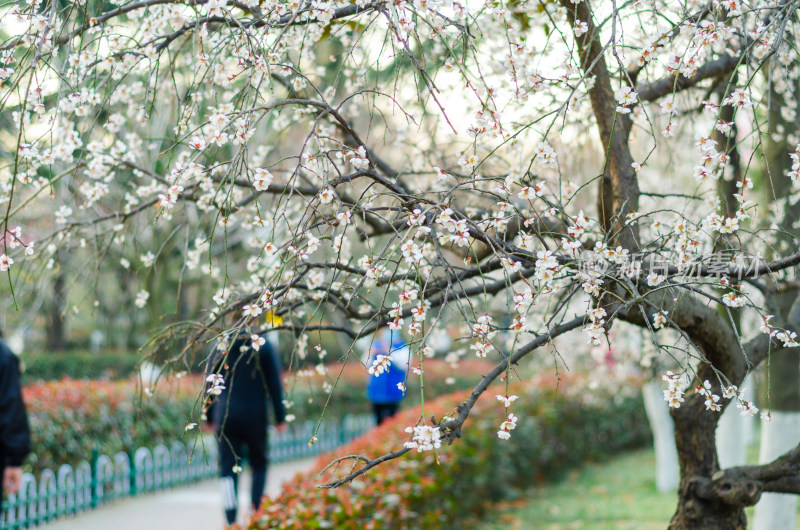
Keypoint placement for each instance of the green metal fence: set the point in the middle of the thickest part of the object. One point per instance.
(71, 491)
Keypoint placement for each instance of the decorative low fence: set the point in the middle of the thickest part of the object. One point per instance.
(71, 491)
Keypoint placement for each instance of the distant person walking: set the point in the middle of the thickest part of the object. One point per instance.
(15, 437)
(242, 381)
(387, 361)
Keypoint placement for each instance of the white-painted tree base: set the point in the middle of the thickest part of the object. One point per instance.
(731, 446)
(149, 373)
(663, 428)
(749, 421)
(777, 511)
(735, 432)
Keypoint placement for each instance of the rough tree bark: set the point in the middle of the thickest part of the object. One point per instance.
(56, 331)
(618, 193)
(708, 497)
(702, 503)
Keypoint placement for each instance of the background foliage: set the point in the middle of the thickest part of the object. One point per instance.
(80, 364)
(71, 418)
(556, 430)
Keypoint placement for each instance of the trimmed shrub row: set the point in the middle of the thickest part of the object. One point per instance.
(555, 431)
(79, 364)
(70, 419)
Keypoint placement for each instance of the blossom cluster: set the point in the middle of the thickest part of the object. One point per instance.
(424, 438)
(787, 337)
(677, 384)
(380, 365)
(676, 388)
(510, 423)
(216, 384)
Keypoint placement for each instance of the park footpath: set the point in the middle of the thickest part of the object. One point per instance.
(194, 507)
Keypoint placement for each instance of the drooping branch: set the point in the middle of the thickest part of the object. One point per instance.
(286, 20)
(451, 429)
(368, 464)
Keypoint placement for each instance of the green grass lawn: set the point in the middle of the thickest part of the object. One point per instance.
(616, 494)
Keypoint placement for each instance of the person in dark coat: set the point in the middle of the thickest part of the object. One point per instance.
(15, 436)
(242, 381)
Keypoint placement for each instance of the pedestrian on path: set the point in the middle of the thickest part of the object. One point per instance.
(242, 378)
(15, 437)
(387, 360)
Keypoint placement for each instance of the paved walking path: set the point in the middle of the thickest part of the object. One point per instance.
(194, 507)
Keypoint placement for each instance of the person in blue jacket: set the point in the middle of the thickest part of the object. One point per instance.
(388, 363)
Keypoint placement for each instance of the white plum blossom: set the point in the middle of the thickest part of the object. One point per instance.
(712, 403)
(424, 438)
(326, 196)
(216, 7)
(625, 97)
(468, 162)
(481, 348)
(676, 387)
(62, 214)
(787, 338)
(667, 105)
(216, 384)
(257, 341)
(508, 425)
(262, 179)
(747, 408)
(251, 310)
(580, 29)
(380, 365)
(730, 391)
(507, 400)
(545, 155)
(739, 99)
(141, 297)
(734, 300)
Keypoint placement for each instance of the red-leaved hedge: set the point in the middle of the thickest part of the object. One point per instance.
(71, 418)
(435, 490)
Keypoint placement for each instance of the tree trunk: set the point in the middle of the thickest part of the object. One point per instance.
(702, 501)
(56, 332)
